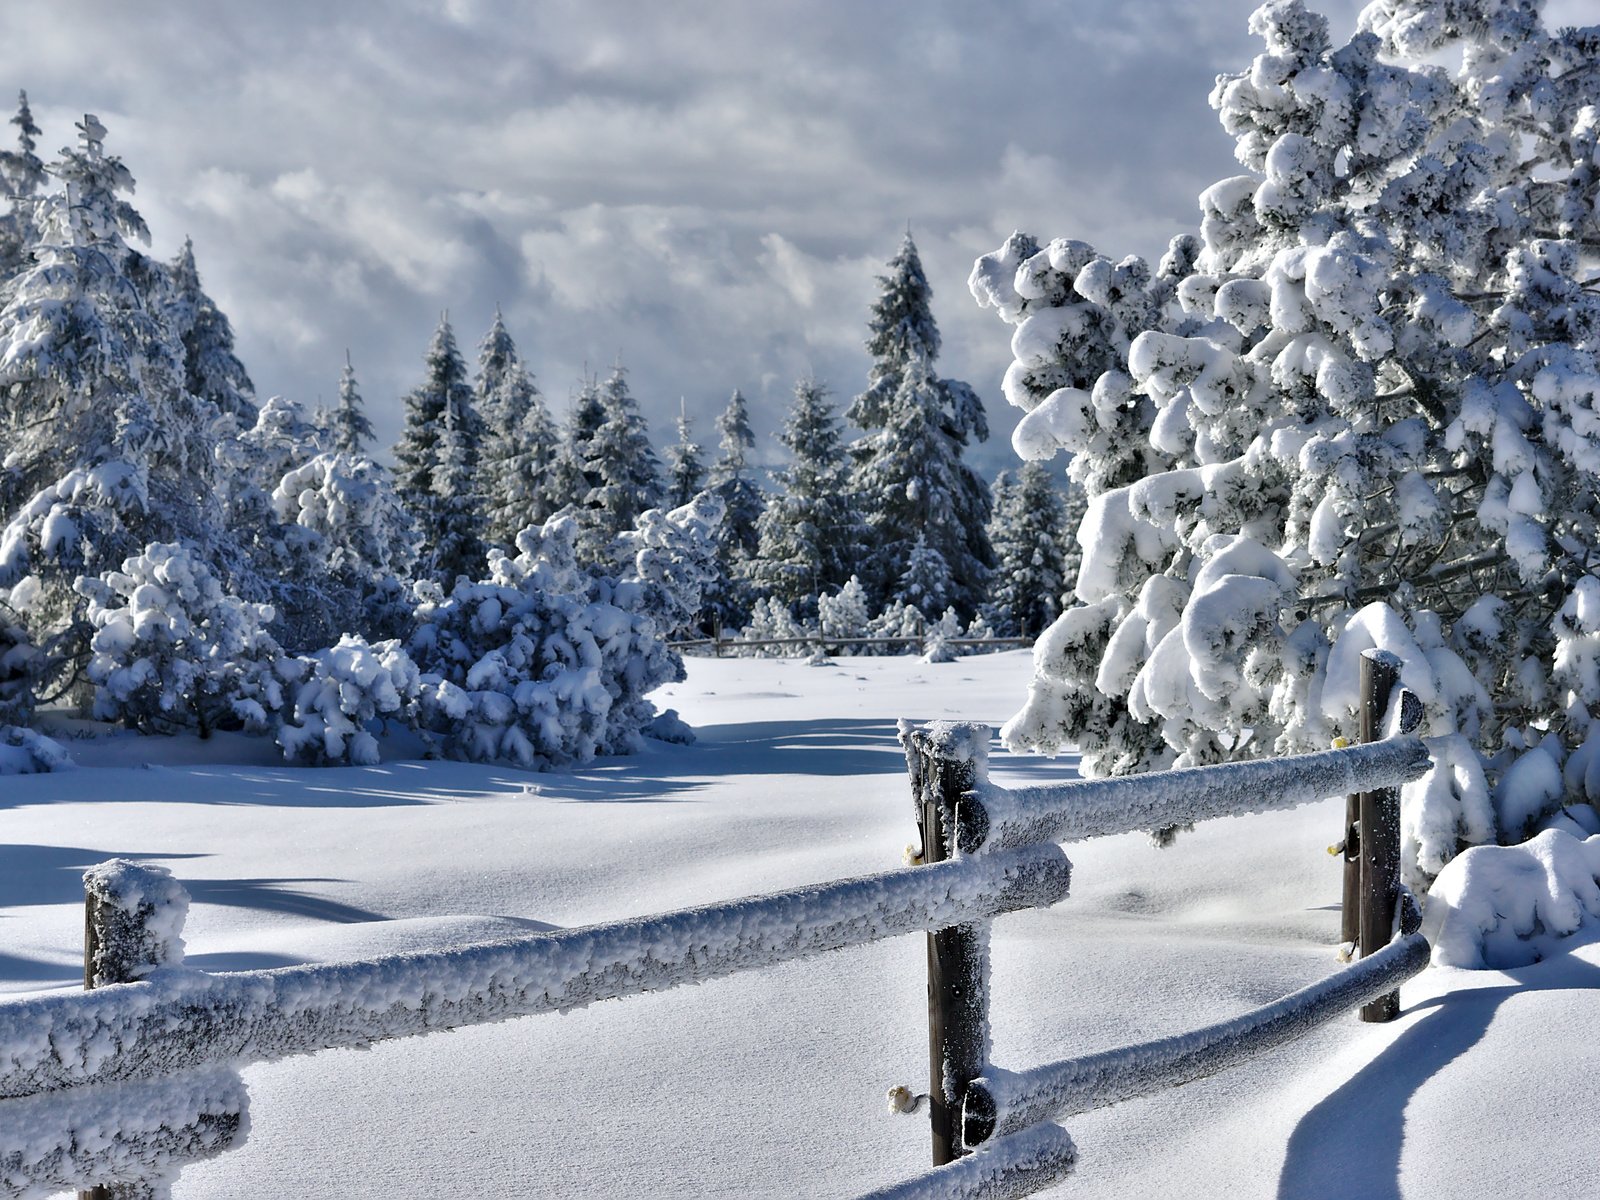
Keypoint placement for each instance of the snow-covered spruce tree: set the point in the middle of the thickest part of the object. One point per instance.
(811, 536)
(771, 618)
(341, 692)
(1074, 507)
(624, 466)
(455, 544)
(211, 370)
(173, 651)
(908, 476)
(673, 557)
(926, 584)
(1371, 422)
(570, 478)
(686, 472)
(739, 538)
(19, 667)
(1027, 531)
(443, 398)
(845, 612)
(352, 432)
(520, 441)
(22, 174)
(541, 664)
(105, 449)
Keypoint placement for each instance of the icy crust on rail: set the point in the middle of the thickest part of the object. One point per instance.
(120, 1133)
(1509, 906)
(179, 1019)
(998, 817)
(1018, 1165)
(1004, 1101)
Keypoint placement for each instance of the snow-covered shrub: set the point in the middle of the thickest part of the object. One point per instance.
(770, 619)
(540, 664)
(19, 667)
(1358, 408)
(24, 752)
(341, 692)
(844, 614)
(172, 650)
(669, 727)
(936, 647)
(673, 555)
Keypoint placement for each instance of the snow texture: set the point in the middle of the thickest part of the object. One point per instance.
(24, 752)
(1000, 817)
(182, 1019)
(1017, 1100)
(122, 1133)
(138, 913)
(1018, 1165)
(1508, 906)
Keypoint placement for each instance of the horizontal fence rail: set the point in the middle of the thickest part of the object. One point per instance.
(178, 1019)
(825, 640)
(123, 1133)
(1007, 1167)
(998, 818)
(1003, 1102)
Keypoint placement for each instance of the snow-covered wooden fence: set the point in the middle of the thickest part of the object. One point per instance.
(122, 1084)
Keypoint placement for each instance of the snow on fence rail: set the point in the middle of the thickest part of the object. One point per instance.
(128, 1081)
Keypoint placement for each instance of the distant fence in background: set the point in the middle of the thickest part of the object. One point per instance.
(119, 1086)
(822, 642)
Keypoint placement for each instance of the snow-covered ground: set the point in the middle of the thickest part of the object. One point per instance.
(771, 1084)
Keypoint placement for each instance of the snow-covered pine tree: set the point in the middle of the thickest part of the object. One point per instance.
(211, 370)
(926, 583)
(520, 444)
(908, 476)
(1372, 423)
(1028, 531)
(738, 538)
(455, 547)
(352, 432)
(22, 173)
(625, 468)
(686, 473)
(105, 449)
(570, 480)
(811, 536)
(443, 398)
(1074, 507)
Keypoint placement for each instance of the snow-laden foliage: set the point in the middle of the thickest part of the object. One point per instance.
(351, 430)
(770, 618)
(845, 613)
(624, 468)
(811, 535)
(211, 370)
(519, 440)
(1028, 530)
(341, 693)
(1356, 410)
(729, 600)
(172, 650)
(22, 173)
(673, 555)
(541, 664)
(686, 469)
(350, 502)
(908, 475)
(19, 668)
(24, 752)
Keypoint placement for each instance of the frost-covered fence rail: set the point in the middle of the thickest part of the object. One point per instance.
(1004, 1143)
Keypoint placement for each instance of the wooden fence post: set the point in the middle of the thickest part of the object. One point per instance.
(132, 923)
(1380, 830)
(944, 761)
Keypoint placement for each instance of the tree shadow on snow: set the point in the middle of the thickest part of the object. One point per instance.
(1349, 1143)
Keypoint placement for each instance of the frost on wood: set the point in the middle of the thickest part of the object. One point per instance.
(1004, 1101)
(123, 1133)
(1508, 906)
(1018, 1165)
(1004, 817)
(180, 1019)
(138, 913)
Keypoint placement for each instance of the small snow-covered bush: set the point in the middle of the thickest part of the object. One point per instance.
(844, 614)
(770, 618)
(936, 648)
(342, 691)
(24, 752)
(673, 556)
(172, 650)
(541, 664)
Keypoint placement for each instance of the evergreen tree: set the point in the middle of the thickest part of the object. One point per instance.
(456, 546)
(686, 474)
(738, 538)
(570, 478)
(925, 584)
(22, 174)
(624, 466)
(520, 444)
(1027, 531)
(811, 536)
(908, 474)
(442, 402)
(1369, 421)
(211, 370)
(351, 429)
(106, 450)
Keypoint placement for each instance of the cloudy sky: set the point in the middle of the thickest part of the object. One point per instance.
(705, 189)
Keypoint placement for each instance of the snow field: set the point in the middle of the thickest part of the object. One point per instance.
(770, 1084)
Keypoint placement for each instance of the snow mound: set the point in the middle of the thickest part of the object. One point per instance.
(24, 752)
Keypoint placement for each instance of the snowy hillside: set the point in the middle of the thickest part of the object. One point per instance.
(771, 1084)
